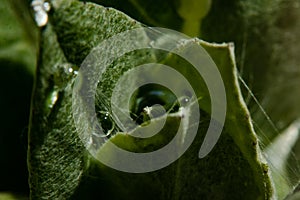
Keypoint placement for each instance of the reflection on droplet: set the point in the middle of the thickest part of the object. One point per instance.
(40, 8)
(46, 6)
(184, 101)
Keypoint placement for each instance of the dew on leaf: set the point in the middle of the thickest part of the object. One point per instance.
(41, 8)
(52, 99)
(63, 73)
(71, 69)
(143, 100)
(41, 18)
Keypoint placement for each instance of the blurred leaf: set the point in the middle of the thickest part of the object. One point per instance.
(266, 35)
(15, 42)
(277, 154)
(181, 15)
(8, 196)
(153, 13)
(295, 195)
(17, 65)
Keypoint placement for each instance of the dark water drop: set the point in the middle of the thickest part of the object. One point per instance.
(149, 95)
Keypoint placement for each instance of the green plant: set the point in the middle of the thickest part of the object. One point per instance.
(61, 167)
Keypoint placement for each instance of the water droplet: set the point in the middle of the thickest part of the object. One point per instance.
(143, 100)
(71, 69)
(106, 123)
(41, 18)
(40, 8)
(52, 99)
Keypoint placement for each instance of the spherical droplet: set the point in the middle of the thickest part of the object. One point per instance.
(40, 8)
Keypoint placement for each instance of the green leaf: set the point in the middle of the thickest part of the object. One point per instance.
(265, 34)
(266, 38)
(153, 13)
(57, 158)
(294, 195)
(61, 167)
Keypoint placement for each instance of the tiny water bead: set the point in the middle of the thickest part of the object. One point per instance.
(71, 70)
(63, 73)
(41, 9)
